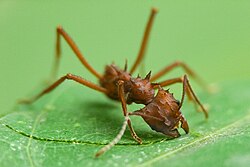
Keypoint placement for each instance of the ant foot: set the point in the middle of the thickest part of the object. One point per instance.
(139, 140)
(24, 101)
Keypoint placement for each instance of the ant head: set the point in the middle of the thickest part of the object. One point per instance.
(165, 98)
(163, 114)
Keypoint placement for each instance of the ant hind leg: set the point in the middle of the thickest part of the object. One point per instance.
(61, 32)
(61, 80)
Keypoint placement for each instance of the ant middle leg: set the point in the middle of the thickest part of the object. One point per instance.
(185, 67)
(186, 89)
(126, 122)
(124, 108)
(61, 80)
(61, 32)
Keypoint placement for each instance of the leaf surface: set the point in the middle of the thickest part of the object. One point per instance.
(68, 126)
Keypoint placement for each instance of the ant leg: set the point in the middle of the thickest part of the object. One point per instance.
(167, 82)
(171, 82)
(186, 89)
(115, 140)
(185, 67)
(191, 93)
(61, 80)
(124, 108)
(144, 40)
(60, 32)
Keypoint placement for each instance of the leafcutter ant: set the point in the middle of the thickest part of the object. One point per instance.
(161, 112)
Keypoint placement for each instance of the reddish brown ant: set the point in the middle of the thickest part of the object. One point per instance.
(161, 112)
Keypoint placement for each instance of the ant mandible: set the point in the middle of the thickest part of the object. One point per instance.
(161, 112)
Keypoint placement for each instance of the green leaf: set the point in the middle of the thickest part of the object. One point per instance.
(68, 126)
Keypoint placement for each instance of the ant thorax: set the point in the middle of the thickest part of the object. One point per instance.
(137, 90)
(141, 91)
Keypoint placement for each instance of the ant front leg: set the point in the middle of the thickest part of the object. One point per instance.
(115, 140)
(185, 67)
(61, 80)
(186, 88)
(61, 32)
(124, 108)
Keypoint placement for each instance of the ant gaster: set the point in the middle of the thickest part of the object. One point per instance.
(161, 112)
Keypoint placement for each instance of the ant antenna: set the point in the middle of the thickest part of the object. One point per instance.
(115, 140)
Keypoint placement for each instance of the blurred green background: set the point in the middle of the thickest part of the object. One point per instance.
(213, 37)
